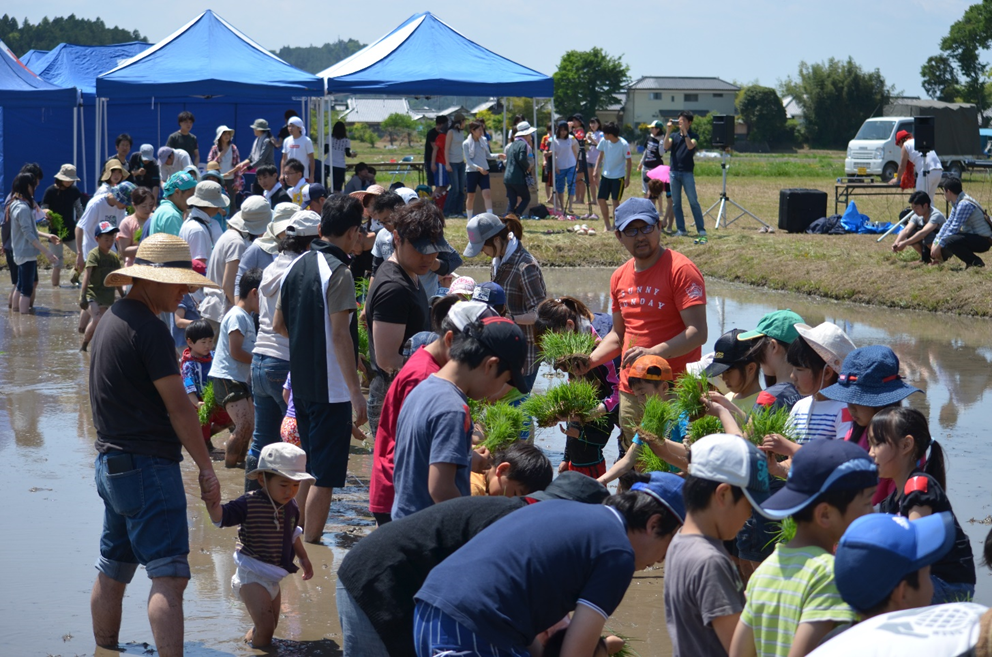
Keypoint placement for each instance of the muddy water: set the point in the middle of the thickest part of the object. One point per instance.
(53, 514)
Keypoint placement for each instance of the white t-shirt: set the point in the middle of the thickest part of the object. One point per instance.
(383, 247)
(811, 419)
(592, 153)
(615, 156)
(338, 148)
(97, 210)
(564, 156)
(224, 365)
(916, 157)
(299, 148)
(198, 235)
(229, 248)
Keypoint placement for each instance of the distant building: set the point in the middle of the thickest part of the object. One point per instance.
(429, 114)
(792, 108)
(373, 111)
(651, 98)
(614, 112)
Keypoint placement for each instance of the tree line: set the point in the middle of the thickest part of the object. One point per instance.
(48, 33)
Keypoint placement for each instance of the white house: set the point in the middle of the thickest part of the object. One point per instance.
(655, 97)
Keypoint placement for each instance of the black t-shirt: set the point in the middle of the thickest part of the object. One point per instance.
(653, 153)
(429, 144)
(396, 299)
(681, 153)
(283, 133)
(958, 565)
(152, 177)
(132, 348)
(387, 567)
(186, 142)
(63, 201)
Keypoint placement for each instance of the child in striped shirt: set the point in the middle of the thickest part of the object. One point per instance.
(269, 537)
(792, 598)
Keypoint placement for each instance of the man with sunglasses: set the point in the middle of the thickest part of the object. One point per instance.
(658, 303)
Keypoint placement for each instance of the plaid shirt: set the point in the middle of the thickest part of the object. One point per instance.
(966, 217)
(214, 156)
(521, 278)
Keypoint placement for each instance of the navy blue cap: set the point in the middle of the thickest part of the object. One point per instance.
(878, 550)
(505, 340)
(633, 209)
(491, 293)
(667, 489)
(870, 377)
(728, 351)
(822, 465)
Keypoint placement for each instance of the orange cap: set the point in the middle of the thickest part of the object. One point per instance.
(651, 368)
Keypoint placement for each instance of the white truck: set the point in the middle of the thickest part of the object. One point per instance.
(873, 151)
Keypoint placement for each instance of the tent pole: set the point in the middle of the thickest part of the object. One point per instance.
(82, 138)
(106, 129)
(504, 124)
(75, 135)
(551, 143)
(96, 143)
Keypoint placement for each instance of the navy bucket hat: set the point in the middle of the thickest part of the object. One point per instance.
(870, 377)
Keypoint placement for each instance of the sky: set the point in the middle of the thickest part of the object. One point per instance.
(755, 41)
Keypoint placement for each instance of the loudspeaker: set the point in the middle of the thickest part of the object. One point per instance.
(723, 131)
(798, 208)
(923, 133)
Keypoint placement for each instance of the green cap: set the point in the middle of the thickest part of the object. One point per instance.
(780, 325)
(656, 124)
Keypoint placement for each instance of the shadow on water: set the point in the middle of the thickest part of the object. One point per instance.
(46, 439)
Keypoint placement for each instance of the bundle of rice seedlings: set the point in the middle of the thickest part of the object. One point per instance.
(689, 388)
(137, 235)
(502, 425)
(648, 461)
(363, 339)
(209, 404)
(626, 650)
(562, 349)
(658, 419)
(361, 288)
(786, 532)
(765, 420)
(578, 398)
(57, 224)
(704, 426)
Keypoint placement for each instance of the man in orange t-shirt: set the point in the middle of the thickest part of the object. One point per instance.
(658, 299)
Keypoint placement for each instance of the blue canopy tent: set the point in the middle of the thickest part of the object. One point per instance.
(35, 120)
(208, 67)
(32, 57)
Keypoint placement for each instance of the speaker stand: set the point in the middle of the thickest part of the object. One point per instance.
(721, 215)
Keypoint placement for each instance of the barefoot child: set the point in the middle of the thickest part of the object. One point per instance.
(194, 367)
(97, 297)
(899, 438)
(231, 369)
(268, 538)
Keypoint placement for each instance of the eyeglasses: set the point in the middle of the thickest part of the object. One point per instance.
(643, 230)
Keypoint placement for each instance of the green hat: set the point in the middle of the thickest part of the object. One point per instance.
(779, 325)
(656, 124)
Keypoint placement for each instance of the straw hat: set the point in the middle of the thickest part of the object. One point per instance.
(375, 190)
(113, 163)
(161, 258)
(254, 216)
(67, 173)
(828, 341)
(208, 194)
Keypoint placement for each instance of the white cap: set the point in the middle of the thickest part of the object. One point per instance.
(732, 460)
(829, 341)
(464, 313)
(285, 460)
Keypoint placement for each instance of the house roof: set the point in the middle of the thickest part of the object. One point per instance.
(433, 114)
(684, 84)
(488, 105)
(374, 110)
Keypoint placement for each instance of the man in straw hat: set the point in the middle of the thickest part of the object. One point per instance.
(200, 230)
(64, 199)
(316, 311)
(140, 437)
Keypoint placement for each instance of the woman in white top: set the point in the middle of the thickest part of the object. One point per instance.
(340, 148)
(593, 136)
(566, 150)
(225, 153)
(475, 149)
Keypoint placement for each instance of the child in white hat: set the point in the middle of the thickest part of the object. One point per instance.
(269, 536)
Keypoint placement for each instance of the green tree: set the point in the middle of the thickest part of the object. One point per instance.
(494, 122)
(836, 98)
(959, 72)
(48, 33)
(399, 125)
(940, 79)
(315, 59)
(363, 134)
(587, 81)
(762, 111)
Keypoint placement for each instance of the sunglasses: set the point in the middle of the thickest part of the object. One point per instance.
(643, 230)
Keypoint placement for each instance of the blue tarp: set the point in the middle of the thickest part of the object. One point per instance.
(19, 87)
(32, 57)
(207, 58)
(425, 56)
(69, 65)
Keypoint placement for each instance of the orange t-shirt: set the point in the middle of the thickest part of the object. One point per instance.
(651, 301)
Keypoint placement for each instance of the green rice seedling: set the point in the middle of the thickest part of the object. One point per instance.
(502, 425)
(137, 235)
(57, 225)
(704, 426)
(627, 650)
(689, 388)
(648, 461)
(361, 288)
(765, 420)
(363, 339)
(562, 349)
(209, 404)
(577, 398)
(786, 532)
(658, 419)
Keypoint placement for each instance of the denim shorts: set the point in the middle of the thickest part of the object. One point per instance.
(27, 277)
(325, 435)
(144, 518)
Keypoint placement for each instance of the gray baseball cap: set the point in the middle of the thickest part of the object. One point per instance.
(480, 228)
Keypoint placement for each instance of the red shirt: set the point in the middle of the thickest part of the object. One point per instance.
(420, 366)
(651, 301)
(442, 156)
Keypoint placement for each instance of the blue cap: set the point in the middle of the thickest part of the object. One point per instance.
(490, 293)
(122, 192)
(667, 489)
(870, 377)
(878, 550)
(822, 465)
(633, 209)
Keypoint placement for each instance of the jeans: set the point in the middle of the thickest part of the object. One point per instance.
(515, 192)
(965, 246)
(359, 637)
(685, 180)
(268, 375)
(455, 203)
(144, 517)
(944, 592)
(563, 177)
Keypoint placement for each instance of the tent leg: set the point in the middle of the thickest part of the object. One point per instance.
(82, 138)
(75, 136)
(96, 142)
(504, 124)
(554, 191)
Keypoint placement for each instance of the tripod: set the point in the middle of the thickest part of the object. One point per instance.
(721, 214)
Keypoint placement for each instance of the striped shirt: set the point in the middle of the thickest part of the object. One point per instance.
(792, 586)
(264, 533)
(811, 419)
